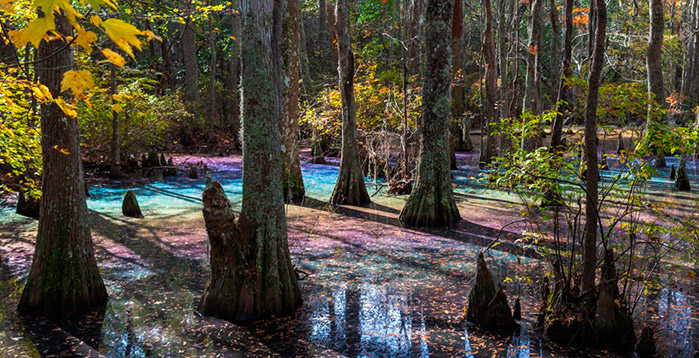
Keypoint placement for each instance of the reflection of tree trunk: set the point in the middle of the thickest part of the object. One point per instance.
(350, 188)
(64, 278)
(354, 324)
(592, 177)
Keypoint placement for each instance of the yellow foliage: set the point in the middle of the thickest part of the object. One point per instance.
(34, 32)
(66, 107)
(85, 39)
(114, 57)
(123, 34)
(77, 81)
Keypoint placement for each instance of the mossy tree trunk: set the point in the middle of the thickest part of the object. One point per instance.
(431, 203)
(350, 188)
(590, 154)
(252, 274)
(289, 83)
(64, 278)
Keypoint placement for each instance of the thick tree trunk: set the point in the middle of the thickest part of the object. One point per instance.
(191, 68)
(566, 71)
(114, 162)
(350, 188)
(431, 203)
(64, 278)
(654, 67)
(592, 177)
(252, 274)
(491, 87)
(289, 83)
(532, 90)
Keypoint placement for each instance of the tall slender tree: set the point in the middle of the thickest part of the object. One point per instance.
(563, 96)
(532, 89)
(590, 155)
(654, 66)
(350, 188)
(251, 271)
(431, 203)
(490, 142)
(189, 57)
(289, 85)
(64, 278)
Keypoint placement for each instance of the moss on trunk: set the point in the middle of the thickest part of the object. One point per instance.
(431, 203)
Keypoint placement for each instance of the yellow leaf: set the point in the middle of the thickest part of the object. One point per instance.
(66, 107)
(117, 108)
(118, 97)
(95, 20)
(34, 31)
(62, 150)
(123, 34)
(151, 35)
(85, 39)
(42, 93)
(114, 57)
(7, 6)
(233, 38)
(77, 81)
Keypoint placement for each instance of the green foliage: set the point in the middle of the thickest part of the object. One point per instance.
(145, 120)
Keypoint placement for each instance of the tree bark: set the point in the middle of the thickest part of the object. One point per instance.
(289, 83)
(592, 177)
(431, 203)
(64, 278)
(350, 188)
(532, 90)
(252, 274)
(114, 162)
(491, 87)
(654, 67)
(232, 104)
(213, 105)
(566, 71)
(191, 68)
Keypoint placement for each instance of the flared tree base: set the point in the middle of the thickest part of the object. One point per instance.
(428, 209)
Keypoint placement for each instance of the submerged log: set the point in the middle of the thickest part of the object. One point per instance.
(682, 180)
(130, 206)
(486, 306)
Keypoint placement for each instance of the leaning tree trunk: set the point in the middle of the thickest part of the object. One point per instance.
(350, 188)
(64, 278)
(251, 271)
(567, 72)
(655, 75)
(592, 177)
(431, 203)
(289, 85)
(532, 94)
(491, 88)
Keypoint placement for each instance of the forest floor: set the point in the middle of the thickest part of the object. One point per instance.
(373, 289)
